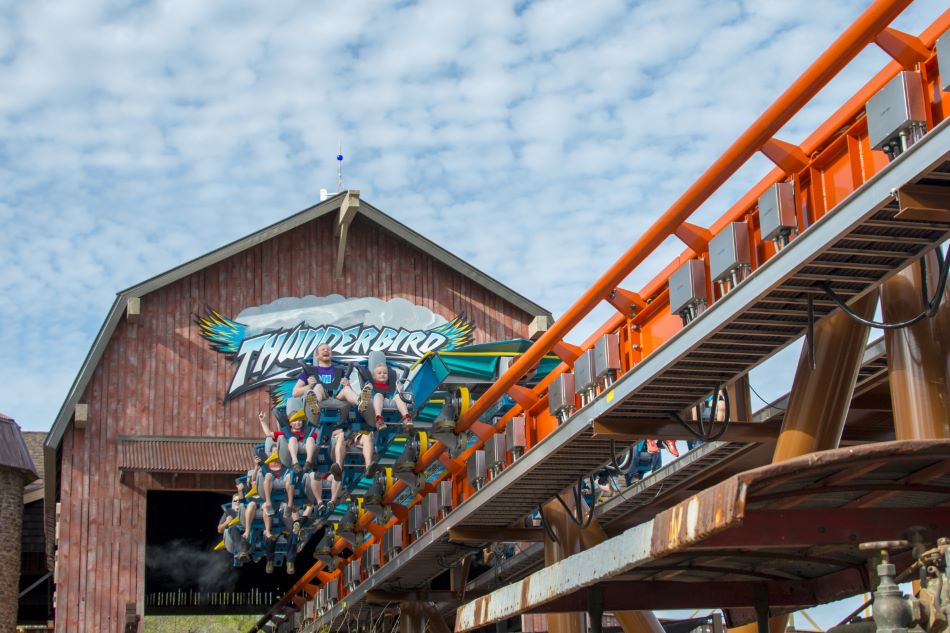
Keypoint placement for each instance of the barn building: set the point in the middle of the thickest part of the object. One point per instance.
(158, 421)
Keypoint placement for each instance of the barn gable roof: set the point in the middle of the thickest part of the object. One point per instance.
(329, 205)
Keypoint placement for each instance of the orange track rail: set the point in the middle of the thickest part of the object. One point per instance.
(825, 168)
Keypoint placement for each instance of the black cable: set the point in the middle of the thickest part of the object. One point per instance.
(544, 524)
(613, 456)
(702, 434)
(931, 304)
(771, 405)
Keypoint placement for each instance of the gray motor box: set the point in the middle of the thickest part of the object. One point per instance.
(897, 107)
(561, 394)
(430, 508)
(393, 541)
(496, 451)
(606, 355)
(688, 286)
(445, 495)
(584, 375)
(352, 574)
(729, 251)
(943, 60)
(371, 559)
(777, 211)
(515, 434)
(416, 519)
(477, 468)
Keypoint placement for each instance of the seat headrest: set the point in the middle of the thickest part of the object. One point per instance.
(376, 358)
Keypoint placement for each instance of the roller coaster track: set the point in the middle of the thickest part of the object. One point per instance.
(854, 234)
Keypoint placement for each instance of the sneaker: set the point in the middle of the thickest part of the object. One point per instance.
(308, 466)
(269, 568)
(671, 447)
(269, 510)
(243, 557)
(372, 469)
(652, 447)
(380, 422)
(296, 529)
(336, 472)
(312, 404)
(407, 423)
(366, 396)
(290, 567)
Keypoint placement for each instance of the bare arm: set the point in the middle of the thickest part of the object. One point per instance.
(263, 420)
(301, 387)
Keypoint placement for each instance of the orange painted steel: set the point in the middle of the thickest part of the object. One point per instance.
(832, 162)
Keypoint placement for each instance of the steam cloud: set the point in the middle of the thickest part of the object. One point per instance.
(184, 564)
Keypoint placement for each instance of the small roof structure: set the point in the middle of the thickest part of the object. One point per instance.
(34, 444)
(13, 452)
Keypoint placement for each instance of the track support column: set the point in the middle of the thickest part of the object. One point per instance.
(412, 617)
(820, 397)
(917, 357)
(571, 539)
(818, 405)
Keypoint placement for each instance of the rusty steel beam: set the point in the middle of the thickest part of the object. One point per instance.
(478, 535)
(923, 202)
(828, 526)
(660, 594)
(629, 429)
(686, 523)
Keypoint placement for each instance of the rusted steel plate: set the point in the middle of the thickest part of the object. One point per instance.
(682, 525)
(717, 513)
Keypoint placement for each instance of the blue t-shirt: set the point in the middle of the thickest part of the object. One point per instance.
(324, 375)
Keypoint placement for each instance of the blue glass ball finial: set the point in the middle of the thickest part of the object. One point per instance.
(339, 157)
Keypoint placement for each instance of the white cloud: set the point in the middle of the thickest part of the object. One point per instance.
(177, 127)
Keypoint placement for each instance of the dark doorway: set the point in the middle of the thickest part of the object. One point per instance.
(183, 573)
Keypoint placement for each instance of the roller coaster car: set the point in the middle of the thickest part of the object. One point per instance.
(324, 550)
(346, 528)
(373, 499)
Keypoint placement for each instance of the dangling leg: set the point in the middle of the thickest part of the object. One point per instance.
(403, 411)
(293, 445)
(367, 441)
(268, 486)
(338, 447)
(311, 449)
(267, 526)
(378, 400)
(289, 489)
(249, 513)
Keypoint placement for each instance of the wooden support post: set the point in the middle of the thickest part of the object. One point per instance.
(133, 309)
(348, 209)
(539, 325)
(81, 415)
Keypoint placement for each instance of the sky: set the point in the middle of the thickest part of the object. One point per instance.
(536, 140)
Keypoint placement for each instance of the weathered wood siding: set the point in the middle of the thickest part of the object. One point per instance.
(158, 377)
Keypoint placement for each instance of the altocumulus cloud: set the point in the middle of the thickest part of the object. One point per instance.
(136, 135)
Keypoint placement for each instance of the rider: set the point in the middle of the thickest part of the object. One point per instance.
(387, 393)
